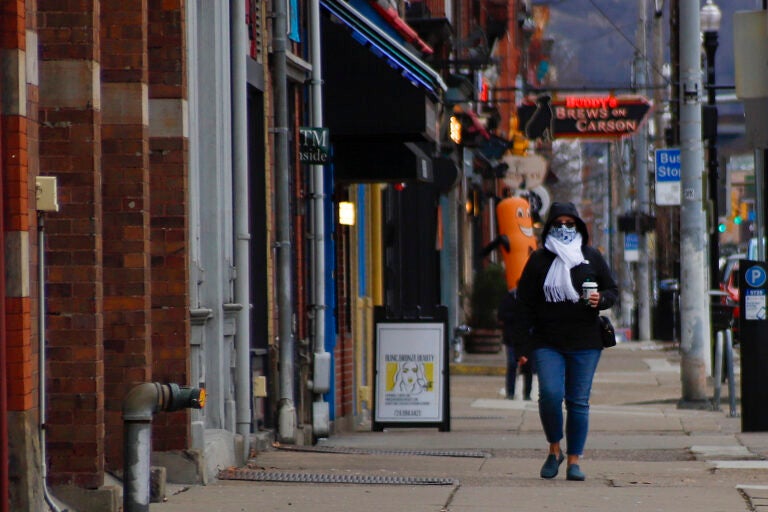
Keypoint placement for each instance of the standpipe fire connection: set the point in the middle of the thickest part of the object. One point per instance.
(139, 405)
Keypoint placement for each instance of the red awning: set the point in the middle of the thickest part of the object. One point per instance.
(389, 13)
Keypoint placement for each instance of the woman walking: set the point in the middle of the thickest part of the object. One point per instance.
(557, 327)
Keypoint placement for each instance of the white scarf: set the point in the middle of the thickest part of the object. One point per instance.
(558, 286)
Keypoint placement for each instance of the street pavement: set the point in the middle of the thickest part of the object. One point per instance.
(644, 453)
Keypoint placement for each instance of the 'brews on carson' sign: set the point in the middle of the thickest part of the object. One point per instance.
(596, 117)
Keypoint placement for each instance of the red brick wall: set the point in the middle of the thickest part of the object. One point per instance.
(125, 191)
(70, 148)
(169, 212)
(21, 359)
(344, 354)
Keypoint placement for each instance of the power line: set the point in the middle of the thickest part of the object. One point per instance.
(584, 88)
(631, 43)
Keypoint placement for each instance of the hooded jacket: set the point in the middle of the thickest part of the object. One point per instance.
(564, 325)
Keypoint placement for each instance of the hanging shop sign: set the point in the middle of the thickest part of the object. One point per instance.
(314, 145)
(594, 117)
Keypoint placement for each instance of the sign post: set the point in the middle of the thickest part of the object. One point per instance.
(411, 374)
(753, 332)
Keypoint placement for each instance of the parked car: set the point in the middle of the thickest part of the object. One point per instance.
(729, 283)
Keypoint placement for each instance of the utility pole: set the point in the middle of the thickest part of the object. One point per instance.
(626, 284)
(694, 298)
(643, 193)
(657, 77)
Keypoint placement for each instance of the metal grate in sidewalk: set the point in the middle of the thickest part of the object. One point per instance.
(359, 451)
(478, 417)
(255, 475)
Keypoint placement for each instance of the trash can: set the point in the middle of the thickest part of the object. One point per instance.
(668, 311)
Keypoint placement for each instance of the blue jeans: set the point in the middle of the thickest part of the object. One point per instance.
(565, 375)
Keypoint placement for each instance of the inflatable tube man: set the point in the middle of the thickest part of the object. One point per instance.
(516, 224)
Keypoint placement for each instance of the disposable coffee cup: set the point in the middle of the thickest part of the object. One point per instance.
(587, 289)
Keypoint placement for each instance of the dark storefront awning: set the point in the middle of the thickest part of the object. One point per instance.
(366, 32)
(373, 86)
(371, 161)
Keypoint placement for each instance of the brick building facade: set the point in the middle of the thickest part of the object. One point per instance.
(93, 94)
(132, 106)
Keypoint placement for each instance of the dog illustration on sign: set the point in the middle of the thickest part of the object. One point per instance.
(541, 125)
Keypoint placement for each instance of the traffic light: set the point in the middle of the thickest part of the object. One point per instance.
(734, 206)
(741, 212)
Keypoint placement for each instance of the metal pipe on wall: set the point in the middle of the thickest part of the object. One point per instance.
(139, 405)
(320, 416)
(287, 410)
(239, 109)
(4, 478)
(41, 328)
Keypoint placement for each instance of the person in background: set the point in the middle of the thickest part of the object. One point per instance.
(559, 330)
(507, 310)
(515, 221)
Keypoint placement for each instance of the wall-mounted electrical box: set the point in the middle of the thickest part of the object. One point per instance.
(46, 194)
(260, 386)
(321, 376)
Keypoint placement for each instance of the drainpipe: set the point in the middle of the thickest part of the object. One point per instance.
(4, 479)
(322, 372)
(41, 326)
(139, 405)
(287, 411)
(239, 84)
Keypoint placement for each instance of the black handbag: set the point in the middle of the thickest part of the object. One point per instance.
(607, 332)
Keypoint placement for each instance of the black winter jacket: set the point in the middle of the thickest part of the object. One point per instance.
(564, 325)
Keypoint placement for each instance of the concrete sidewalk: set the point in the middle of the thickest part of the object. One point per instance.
(643, 454)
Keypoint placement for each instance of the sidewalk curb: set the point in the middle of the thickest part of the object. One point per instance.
(477, 369)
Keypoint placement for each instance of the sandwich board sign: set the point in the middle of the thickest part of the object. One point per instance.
(411, 372)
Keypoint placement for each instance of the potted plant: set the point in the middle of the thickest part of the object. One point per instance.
(488, 289)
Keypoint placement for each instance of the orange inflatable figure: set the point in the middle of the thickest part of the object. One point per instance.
(516, 224)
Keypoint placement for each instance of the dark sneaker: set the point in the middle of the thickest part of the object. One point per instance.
(552, 465)
(574, 473)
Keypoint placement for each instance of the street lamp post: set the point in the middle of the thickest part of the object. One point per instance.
(710, 16)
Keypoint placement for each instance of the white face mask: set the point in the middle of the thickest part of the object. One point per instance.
(563, 234)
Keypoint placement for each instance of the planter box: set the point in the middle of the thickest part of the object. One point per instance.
(483, 341)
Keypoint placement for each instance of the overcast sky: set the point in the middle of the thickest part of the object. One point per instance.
(595, 39)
